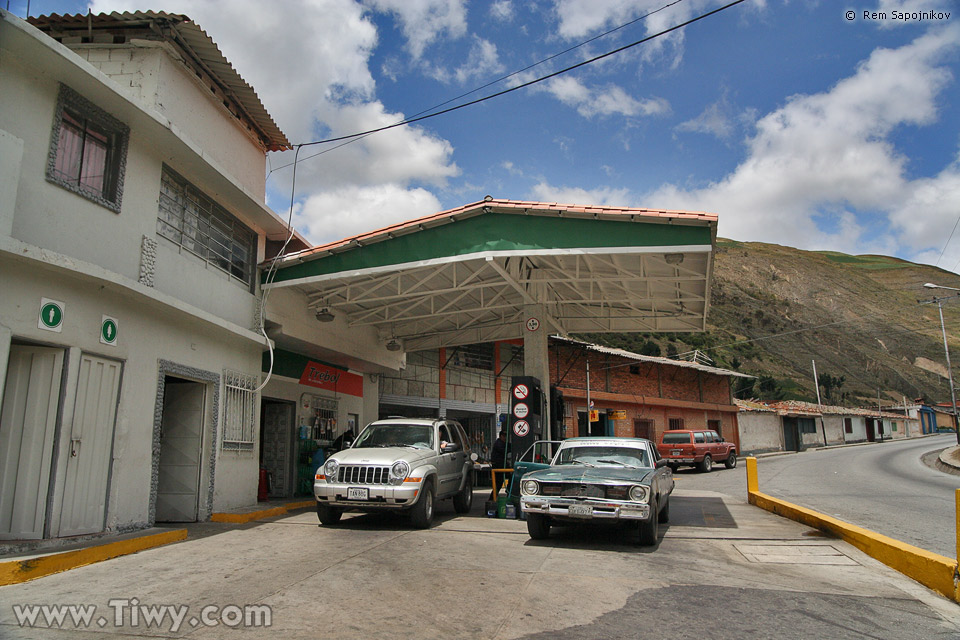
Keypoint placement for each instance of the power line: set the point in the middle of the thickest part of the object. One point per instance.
(497, 81)
(525, 84)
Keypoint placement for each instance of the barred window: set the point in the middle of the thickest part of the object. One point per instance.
(239, 410)
(202, 227)
(676, 423)
(88, 150)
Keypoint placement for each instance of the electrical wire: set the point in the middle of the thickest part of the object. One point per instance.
(526, 84)
(498, 80)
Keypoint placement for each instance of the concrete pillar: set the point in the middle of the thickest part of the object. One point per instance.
(536, 357)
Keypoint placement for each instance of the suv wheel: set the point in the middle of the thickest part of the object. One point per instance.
(538, 526)
(464, 500)
(327, 514)
(422, 512)
(731, 461)
(707, 464)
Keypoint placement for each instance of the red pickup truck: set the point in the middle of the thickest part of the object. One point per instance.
(700, 449)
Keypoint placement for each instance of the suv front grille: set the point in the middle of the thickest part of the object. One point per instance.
(363, 474)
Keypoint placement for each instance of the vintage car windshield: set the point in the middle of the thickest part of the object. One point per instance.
(599, 456)
(396, 435)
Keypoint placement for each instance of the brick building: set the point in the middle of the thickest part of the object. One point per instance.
(639, 396)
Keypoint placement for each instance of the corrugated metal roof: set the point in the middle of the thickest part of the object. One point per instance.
(640, 358)
(801, 408)
(508, 206)
(199, 51)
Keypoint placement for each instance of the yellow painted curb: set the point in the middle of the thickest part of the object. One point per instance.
(929, 569)
(242, 518)
(18, 571)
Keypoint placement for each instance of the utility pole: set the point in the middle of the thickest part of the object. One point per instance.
(946, 349)
(816, 384)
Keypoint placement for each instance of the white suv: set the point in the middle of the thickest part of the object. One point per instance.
(398, 464)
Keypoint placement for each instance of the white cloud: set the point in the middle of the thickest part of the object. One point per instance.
(717, 120)
(481, 63)
(502, 10)
(545, 192)
(610, 100)
(343, 212)
(424, 21)
(824, 156)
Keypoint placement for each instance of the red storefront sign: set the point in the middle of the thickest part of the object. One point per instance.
(324, 377)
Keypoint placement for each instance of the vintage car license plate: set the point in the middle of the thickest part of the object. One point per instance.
(358, 493)
(583, 510)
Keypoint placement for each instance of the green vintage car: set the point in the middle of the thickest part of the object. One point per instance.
(600, 480)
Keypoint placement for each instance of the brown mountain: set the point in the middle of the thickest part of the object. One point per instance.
(775, 309)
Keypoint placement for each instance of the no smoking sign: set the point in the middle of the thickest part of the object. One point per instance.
(521, 428)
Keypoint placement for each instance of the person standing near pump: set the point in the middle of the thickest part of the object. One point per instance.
(498, 455)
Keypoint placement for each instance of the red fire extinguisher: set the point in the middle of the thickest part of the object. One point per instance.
(264, 487)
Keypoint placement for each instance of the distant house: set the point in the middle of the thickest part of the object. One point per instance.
(793, 425)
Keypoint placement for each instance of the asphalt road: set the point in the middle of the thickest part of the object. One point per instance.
(884, 487)
(722, 570)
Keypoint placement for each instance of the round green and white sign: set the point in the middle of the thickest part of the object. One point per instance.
(51, 315)
(108, 331)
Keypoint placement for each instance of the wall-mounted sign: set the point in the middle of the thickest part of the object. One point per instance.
(51, 315)
(532, 324)
(618, 415)
(108, 331)
(323, 377)
(521, 391)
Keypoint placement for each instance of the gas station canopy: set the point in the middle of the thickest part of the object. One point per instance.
(466, 275)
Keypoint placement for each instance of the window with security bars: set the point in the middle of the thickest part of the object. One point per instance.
(201, 226)
(239, 410)
(676, 423)
(88, 150)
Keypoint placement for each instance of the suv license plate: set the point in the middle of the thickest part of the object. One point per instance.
(358, 493)
(675, 452)
(582, 510)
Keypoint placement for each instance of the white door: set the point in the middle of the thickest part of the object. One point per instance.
(90, 443)
(28, 421)
(181, 426)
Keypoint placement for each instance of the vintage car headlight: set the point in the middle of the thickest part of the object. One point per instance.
(529, 487)
(399, 471)
(330, 470)
(639, 493)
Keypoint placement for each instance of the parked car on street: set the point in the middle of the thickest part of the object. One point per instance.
(696, 448)
(600, 480)
(398, 464)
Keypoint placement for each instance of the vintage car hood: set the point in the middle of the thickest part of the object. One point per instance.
(587, 475)
(384, 456)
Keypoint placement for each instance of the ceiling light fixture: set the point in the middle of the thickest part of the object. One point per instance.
(393, 345)
(324, 315)
(673, 258)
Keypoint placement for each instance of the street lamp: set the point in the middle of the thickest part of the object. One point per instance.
(946, 350)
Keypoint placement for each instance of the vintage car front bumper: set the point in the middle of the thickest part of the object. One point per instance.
(558, 507)
(379, 496)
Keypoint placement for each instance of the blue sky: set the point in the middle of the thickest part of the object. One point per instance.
(795, 124)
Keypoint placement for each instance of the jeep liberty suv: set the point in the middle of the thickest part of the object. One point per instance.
(399, 464)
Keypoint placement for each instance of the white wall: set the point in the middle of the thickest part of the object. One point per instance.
(154, 73)
(760, 431)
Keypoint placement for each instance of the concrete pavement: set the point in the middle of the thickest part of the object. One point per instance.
(722, 569)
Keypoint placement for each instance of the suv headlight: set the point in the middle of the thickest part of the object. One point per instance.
(529, 487)
(399, 472)
(330, 469)
(639, 493)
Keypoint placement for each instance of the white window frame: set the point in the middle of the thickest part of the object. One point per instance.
(241, 406)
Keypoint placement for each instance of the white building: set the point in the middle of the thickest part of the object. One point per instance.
(132, 223)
